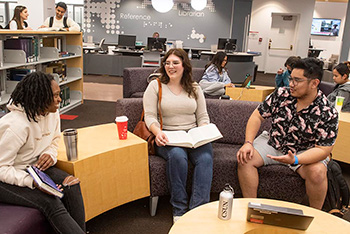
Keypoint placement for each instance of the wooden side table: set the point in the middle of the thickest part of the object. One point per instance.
(256, 93)
(341, 151)
(112, 171)
(204, 219)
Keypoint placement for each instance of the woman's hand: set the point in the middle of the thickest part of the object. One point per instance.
(230, 85)
(161, 139)
(45, 161)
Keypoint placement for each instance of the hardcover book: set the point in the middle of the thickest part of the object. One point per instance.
(44, 181)
(195, 137)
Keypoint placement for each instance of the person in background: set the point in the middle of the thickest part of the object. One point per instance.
(29, 135)
(282, 77)
(215, 77)
(183, 107)
(155, 35)
(335, 30)
(303, 131)
(342, 88)
(60, 21)
(18, 20)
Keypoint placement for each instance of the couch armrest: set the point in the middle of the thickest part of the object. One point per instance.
(132, 108)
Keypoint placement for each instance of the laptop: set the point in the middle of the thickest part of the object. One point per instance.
(246, 83)
(278, 216)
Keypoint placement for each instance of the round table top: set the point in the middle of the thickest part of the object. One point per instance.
(204, 219)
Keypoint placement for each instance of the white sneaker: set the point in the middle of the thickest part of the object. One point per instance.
(176, 218)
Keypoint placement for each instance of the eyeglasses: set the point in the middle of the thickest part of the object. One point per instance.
(296, 81)
(175, 63)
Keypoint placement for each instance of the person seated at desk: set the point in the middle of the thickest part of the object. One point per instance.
(303, 132)
(60, 21)
(282, 78)
(29, 135)
(18, 20)
(215, 77)
(155, 35)
(342, 88)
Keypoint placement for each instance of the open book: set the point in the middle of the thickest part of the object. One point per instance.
(195, 137)
(52, 29)
(44, 181)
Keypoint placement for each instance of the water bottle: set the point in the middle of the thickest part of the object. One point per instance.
(225, 203)
(190, 54)
(70, 137)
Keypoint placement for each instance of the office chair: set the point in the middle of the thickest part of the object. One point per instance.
(100, 47)
(150, 59)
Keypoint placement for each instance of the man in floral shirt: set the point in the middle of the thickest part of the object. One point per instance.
(303, 132)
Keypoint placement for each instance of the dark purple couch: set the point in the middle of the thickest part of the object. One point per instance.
(231, 117)
(135, 80)
(19, 220)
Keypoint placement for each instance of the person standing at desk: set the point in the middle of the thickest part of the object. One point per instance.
(183, 107)
(60, 21)
(18, 20)
(215, 77)
(29, 135)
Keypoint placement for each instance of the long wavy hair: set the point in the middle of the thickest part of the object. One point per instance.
(34, 94)
(186, 82)
(217, 60)
(17, 16)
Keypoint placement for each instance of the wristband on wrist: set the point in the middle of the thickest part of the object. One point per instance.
(248, 142)
(296, 161)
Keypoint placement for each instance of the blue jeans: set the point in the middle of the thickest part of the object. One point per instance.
(65, 215)
(177, 168)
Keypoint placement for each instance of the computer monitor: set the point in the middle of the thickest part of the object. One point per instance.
(156, 43)
(127, 41)
(227, 44)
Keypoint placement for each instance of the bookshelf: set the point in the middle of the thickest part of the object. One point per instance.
(48, 52)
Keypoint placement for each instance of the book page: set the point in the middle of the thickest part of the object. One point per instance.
(178, 138)
(204, 134)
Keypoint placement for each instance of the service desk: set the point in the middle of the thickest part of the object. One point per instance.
(256, 93)
(112, 171)
(204, 219)
(341, 150)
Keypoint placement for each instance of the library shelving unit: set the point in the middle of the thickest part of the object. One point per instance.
(48, 51)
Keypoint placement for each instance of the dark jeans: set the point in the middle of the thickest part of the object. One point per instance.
(177, 167)
(65, 215)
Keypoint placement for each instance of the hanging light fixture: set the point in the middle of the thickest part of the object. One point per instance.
(198, 5)
(162, 6)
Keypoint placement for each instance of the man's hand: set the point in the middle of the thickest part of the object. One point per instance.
(245, 153)
(161, 139)
(43, 26)
(45, 161)
(287, 159)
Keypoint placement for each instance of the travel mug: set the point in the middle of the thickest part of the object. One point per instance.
(70, 137)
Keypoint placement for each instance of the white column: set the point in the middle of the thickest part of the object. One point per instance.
(38, 11)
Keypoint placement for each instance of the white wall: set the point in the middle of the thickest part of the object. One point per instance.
(38, 11)
(261, 23)
(333, 10)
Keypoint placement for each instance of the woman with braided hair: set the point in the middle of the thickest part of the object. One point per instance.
(29, 135)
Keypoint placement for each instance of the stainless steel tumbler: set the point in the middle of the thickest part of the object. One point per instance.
(70, 137)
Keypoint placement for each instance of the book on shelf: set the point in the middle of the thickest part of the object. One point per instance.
(44, 181)
(195, 137)
(29, 45)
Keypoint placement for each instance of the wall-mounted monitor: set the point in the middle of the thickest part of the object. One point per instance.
(325, 27)
(227, 44)
(127, 41)
(156, 43)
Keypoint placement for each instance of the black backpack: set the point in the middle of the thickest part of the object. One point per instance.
(337, 199)
(8, 25)
(64, 22)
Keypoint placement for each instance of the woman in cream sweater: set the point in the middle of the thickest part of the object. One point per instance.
(183, 107)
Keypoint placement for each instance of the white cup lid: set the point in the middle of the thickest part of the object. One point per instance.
(121, 119)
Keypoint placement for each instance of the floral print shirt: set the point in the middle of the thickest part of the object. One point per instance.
(295, 130)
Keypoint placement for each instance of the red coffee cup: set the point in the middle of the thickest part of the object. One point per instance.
(122, 125)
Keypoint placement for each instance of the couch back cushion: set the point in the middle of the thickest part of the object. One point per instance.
(230, 116)
(135, 79)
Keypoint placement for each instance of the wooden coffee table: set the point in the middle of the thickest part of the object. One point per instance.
(256, 94)
(204, 219)
(112, 171)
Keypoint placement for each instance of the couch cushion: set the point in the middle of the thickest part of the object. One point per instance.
(18, 219)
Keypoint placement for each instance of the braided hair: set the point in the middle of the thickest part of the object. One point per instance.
(34, 94)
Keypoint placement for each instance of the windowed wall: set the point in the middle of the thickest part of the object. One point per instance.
(6, 11)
